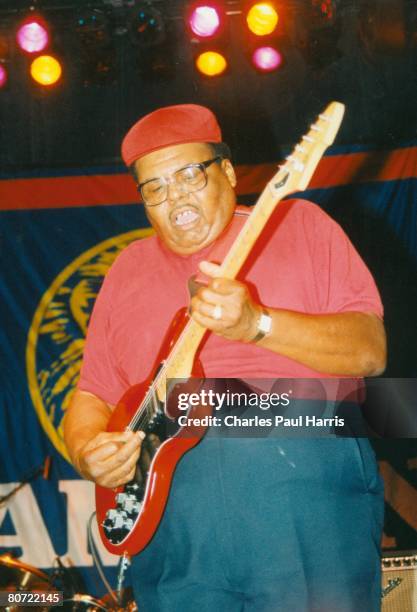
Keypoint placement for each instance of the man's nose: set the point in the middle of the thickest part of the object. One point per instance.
(174, 191)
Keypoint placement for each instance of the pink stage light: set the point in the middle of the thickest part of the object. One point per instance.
(267, 59)
(204, 21)
(32, 36)
(3, 76)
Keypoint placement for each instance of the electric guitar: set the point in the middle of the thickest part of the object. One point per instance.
(128, 516)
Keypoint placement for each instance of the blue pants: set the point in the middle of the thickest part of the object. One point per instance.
(267, 525)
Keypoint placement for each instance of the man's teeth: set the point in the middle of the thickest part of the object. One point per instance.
(187, 216)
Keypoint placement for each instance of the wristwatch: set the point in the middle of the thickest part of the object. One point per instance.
(264, 326)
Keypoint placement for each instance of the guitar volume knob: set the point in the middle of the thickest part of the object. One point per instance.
(121, 498)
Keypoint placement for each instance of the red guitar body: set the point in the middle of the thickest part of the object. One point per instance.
(129, 515)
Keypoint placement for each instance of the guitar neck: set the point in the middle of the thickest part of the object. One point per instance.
(248, 235)
(179, 364)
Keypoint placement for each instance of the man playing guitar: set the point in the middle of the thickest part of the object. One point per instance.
(250, 524)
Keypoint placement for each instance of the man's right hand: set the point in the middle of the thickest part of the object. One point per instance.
(109, 459)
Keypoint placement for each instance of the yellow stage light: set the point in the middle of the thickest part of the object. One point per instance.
(262, 19)
(211, 63)
(45, 70)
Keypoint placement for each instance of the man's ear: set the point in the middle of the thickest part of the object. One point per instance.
(229, 171)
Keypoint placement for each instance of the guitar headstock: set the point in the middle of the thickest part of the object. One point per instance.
(299, 167)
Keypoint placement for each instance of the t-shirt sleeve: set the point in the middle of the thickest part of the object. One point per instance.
(100, 374)
(342, 279)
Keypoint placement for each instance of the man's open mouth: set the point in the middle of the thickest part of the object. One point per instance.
(185, 218)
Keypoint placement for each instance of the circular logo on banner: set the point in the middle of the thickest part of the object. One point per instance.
(57, 333)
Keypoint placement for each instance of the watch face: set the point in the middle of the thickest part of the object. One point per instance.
(265, 323)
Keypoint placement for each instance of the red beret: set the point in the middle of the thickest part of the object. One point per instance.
(169, 126)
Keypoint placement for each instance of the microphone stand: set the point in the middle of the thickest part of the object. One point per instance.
(42, 469)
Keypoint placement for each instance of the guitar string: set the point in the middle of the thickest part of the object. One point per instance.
(144, 412)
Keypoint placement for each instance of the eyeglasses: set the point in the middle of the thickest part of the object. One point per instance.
(189, 178)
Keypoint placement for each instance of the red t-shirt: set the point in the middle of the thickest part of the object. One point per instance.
(303, 261)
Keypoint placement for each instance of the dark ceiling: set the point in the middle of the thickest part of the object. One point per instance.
(365, 57)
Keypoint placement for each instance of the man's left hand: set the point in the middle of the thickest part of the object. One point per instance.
(225, 306)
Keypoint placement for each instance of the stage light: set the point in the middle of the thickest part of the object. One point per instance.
(90, 21)
(46, 70)
(267, 59)
(96, 55)
(262, 19)
(204, 20)
(3, 76)
(92, 27)
(211, 63)
(147, 27)
(4, 57)
(32, 35)
(324, 9)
